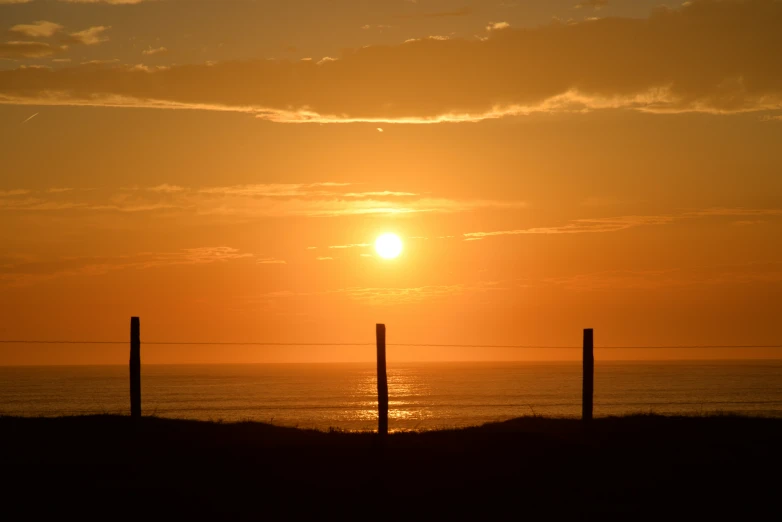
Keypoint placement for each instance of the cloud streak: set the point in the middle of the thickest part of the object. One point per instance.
(650, 280)
(15, 49)
(706, 56)
(39, 29)
(91, 36)
(329, 199)
(617, 224)
(580, 226)
(22, 272)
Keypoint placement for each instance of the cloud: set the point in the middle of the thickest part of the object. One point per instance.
(750, 222)
(392, 296)
(240, 202)
(23, 271)
(142, 67)
(581, 226)
(497, 26)
(384, 193)
(707, 56)
(14, 1)
(275, 189)
(400, 296)
(734, 212)
(325, 258)
(354, 245)
(93, 63)
(437, 38)
(271, 261)
(23, 49)
(39, 29)
(203, 255)
(389, 296)
(166, 188)
(649, 280)
(616, 224)
(158, 50)
(91, 36)
(591, 4)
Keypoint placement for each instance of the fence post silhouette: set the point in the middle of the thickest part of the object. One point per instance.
(135, 368)
(382, 383)
(587, 392)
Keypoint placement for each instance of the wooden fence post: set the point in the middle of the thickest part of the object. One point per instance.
(588, 389)
(135, 368)
(382, 383)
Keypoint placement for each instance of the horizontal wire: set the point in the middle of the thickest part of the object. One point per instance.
(414, 345)
(596, 347)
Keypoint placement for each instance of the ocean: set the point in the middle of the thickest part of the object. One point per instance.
(423, 396)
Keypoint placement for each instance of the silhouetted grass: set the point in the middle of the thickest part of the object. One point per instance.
(636, 466)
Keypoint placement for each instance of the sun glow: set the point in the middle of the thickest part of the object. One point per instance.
(388, 246)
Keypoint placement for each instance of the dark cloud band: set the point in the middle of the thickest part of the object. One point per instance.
(708, 56)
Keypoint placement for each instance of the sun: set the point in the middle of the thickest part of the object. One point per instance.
(388, 246)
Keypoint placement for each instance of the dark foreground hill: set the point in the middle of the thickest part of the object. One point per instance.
(632, 468)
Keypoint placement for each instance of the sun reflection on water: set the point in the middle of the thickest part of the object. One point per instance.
(422, 396)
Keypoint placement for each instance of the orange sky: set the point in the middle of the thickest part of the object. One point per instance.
(222, 171)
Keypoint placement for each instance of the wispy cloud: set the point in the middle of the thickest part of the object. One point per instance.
(651, 280)
(616, 224)
(390, 296)
(25, 49)
(328, 199)
(275, 190)
(166, 188)
(271, 261)
(735, 212)
(150, 51)
(39, 29)
(31, 117)
(581, 226)
(611, 63)
(90, 36)
(355, 245)
(22, 272)
(497, 26)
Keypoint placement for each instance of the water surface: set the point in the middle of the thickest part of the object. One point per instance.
(422, 395)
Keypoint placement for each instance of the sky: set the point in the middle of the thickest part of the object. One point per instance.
(221, 169)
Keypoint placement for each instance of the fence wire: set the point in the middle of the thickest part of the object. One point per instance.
(409, 345)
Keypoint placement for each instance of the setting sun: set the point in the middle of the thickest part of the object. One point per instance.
(388, 246)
